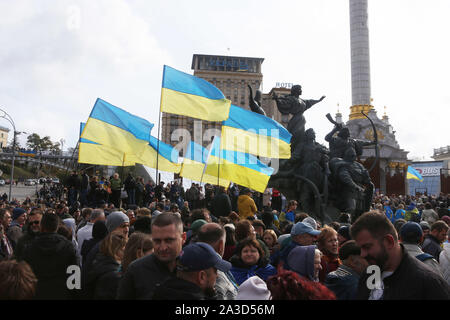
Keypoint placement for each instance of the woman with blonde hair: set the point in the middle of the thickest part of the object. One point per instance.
(104, 276)
(270, 239)
(328, 244)
(139, 245)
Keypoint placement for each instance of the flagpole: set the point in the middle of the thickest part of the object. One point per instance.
(159, 127)
(157, 148)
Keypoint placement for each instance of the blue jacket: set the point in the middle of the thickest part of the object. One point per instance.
(389, 213)
(290, 216)
(343, 282)
(399, 214)
(241, 272)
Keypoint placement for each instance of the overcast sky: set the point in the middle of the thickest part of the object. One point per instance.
(57, 57)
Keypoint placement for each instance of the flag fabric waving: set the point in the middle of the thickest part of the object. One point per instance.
(194, 164)
(94, 153)
(249, 132)
(187, 95)
(238, 167)
(413, 174)
(114, 127)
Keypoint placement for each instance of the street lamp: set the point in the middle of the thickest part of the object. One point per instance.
(15, 133)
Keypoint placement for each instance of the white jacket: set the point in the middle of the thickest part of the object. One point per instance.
(444, 261)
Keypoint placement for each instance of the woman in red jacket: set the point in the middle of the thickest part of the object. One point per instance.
(328, 244)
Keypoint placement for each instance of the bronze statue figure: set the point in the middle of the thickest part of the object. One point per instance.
(342, 142)
(293, 104)
(352, 188)
(255, 102)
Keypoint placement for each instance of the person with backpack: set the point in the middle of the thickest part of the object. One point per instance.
(411, 235)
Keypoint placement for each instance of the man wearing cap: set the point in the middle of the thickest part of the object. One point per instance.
(411, 235)
(302, 234)
(144, 275)
(196, 274)
(400, 276)
(344, 280)
(19, 217)
(246, 205)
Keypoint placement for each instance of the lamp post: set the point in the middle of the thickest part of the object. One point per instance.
(15, 133)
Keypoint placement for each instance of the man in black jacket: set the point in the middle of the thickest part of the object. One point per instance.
(73, 186)
(221, 204)
(144, 275)
(84, 189)
(33, 227)
(196, 275)
(49, 255)
(433, 241)
(392, 273)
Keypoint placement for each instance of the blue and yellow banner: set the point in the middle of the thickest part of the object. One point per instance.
(194, 164)
(187, 95)
(27, 153)
(114, 127)
(413, 174)
(238, 167)
(94, 153)
(249, 132)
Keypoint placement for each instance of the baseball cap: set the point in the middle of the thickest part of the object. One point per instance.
(301, 228)
(201, 256)
(411, 232)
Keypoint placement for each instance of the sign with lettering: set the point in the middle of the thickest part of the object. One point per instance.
(287, 85)
(429, 171)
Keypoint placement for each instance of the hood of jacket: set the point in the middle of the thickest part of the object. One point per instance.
(301, 260)
(49, 244)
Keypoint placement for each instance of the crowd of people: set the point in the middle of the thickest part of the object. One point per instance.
(132, 239)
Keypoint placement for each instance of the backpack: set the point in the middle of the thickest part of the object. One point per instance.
(424, 256)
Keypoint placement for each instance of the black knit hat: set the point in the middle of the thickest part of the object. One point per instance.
(345, 232)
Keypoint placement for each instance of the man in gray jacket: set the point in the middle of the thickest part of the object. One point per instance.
(214, 235)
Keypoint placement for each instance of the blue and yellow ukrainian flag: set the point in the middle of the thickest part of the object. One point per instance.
(166, 161)
(114, 127)
(413, 174)
(238, 167)
(194, 164)
(190, 96)
(94, 153)
(27, 153)
(249, 132)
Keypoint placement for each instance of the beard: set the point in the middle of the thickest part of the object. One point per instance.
(380, 259)
(210, 292)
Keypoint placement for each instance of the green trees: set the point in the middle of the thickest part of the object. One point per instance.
(35, 142)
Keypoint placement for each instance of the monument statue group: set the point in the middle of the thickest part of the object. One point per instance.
(320, 178)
